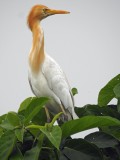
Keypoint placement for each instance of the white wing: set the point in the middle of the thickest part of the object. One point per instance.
(58, 83)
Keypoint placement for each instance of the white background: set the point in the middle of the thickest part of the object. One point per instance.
(86, 44)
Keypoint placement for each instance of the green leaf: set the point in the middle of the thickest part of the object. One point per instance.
(112, 130)
(102, 140)
(53, 133)
(7, 142)
(13, 119)
(110, 110)
(116, 90)
(1, 131)
(107, 93)
(19, 134)
(40, 118)
(33, 154)
(83, 149)
(118, 105)
(6, 125)
(2, 118)
(77, 155)
(87, 122)
(25, 104)
(34, 108)
(74, 91)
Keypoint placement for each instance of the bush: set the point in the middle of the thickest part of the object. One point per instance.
(25, 135)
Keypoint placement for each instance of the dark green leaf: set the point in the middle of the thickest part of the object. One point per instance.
(102, 140)
(33, 154)
(77, 155)
(118, 105)
(110, 110)
(87, 122)
(88, 150)
(16, 155)
(112, 130)
(74, 91)
(7, 142)
(107, 94)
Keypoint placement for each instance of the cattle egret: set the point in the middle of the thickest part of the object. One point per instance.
(46, 78)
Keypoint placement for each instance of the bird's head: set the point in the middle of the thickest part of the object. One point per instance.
(39, 12)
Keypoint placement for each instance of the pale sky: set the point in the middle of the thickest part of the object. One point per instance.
(86, 44)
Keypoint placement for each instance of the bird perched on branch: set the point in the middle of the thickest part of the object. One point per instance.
(46, 78)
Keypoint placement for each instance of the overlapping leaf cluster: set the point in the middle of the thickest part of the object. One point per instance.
(26, 135)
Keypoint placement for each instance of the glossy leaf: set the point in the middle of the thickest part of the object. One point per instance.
(87, 122)
(107, 93)
(110, 110)
(7, 142)
(102, 140)
(83, 149)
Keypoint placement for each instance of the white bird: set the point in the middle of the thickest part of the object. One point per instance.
(46, 78)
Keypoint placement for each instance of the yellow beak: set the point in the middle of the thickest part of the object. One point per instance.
(52, 11)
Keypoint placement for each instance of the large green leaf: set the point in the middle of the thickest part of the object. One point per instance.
(102, 140)
(110, 110)
(107, 93)
(87, 122)
(33, 108)
(7, 142)
(83, 150)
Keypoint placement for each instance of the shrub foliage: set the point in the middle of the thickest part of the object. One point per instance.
(26, 135)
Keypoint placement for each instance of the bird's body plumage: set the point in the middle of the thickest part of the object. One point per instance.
(46, 78)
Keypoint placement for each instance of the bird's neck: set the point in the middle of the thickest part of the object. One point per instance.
(37, 55)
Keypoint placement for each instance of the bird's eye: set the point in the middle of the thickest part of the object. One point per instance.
(44, 10)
